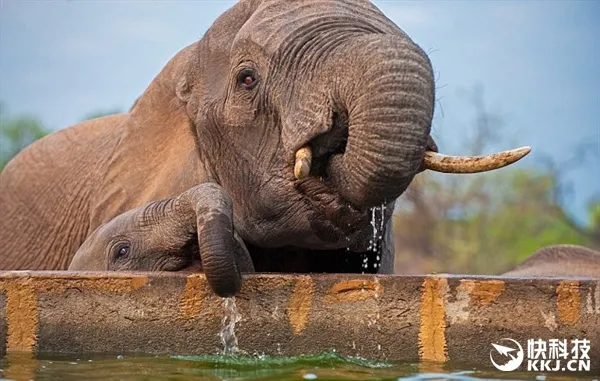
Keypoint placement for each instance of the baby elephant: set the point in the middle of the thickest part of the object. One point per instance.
(560, 261)
(192, 232)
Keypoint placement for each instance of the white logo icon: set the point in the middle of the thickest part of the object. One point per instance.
(515, 359)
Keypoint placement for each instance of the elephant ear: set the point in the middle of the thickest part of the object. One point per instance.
(205, 81)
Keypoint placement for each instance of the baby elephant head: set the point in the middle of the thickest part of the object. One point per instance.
(192, 232)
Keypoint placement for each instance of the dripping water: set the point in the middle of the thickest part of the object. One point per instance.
(375, 243)
(227, 334)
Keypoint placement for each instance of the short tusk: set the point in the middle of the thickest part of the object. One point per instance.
(303, 161)
(472, 164)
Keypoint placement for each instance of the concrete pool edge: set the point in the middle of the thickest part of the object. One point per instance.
(435, 318)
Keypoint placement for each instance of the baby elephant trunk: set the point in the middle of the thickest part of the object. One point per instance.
(388, 93)
(223, 253)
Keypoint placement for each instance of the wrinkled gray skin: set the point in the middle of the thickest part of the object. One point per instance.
(266, 79)
(560, 261)
(171, 235)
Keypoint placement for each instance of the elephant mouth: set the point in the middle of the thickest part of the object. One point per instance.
(335, 220)
(194, 266)
(185, 260)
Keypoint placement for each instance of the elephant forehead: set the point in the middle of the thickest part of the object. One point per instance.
(278, 23)
(119, 224)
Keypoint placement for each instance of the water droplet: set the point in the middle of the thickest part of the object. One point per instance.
(375, 243)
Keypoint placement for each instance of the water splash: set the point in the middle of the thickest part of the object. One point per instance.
(325, 359)
(227, 334)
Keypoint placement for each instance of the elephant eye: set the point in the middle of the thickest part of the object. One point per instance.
(247, 78)
(121, 251)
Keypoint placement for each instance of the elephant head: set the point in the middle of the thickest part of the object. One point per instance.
(308, 113)
(270, 77)
(192, 232)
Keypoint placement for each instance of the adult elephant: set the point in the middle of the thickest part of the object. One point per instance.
(332, 89)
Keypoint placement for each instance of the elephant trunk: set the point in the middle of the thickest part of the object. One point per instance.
(390, 109)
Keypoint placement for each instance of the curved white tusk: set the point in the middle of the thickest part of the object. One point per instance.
(472, 164)
(303, 162)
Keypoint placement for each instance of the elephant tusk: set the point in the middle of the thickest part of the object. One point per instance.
(303, 162)
(472, 164)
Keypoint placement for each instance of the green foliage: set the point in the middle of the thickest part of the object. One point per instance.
(17, 133)
(487, 223)
(594, 215)
(529, 217)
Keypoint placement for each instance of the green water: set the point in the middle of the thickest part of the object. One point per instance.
(326, 366)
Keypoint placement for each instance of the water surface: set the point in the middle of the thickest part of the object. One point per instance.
(325, 366)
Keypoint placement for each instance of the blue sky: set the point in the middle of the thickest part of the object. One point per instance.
(538, 62)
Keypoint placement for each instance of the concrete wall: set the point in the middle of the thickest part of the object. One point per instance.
(410, 318)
